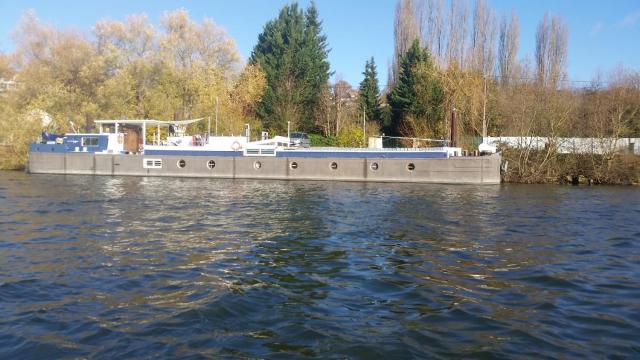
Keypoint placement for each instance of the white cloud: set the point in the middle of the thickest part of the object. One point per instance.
(630, 20)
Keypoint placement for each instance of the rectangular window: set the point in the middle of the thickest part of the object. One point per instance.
(152, 163)
(89, 141)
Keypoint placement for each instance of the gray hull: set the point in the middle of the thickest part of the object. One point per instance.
(459, 170)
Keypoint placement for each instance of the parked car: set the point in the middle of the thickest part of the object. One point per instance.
(299, 139)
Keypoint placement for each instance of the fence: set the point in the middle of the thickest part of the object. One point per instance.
(570, 145)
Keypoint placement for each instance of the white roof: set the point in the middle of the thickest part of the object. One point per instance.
(140, 122)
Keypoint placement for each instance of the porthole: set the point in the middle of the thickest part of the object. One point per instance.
(411, 167)
(257, 165)
(374, 166)
(334, 166)
(182, 163)
(294, 165)
(211, 164)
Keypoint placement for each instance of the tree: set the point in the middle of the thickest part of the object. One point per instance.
(551, 51)
(406, 29)
(58, 71)
(369, 91)
(130, 52)
(508, 48)
(293, 52)
(431, 24)
(417, 97)
(200, 60)
(457, 36)
(318, 73)
(342, 107)
(483, 52)
(6, 71)
(128, 69)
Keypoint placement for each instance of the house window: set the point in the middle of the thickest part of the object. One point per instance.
(90, 141)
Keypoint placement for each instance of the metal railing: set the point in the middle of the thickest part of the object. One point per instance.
(396, 141)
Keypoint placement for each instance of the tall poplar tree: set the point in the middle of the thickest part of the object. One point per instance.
(293, 52)
(369, 90)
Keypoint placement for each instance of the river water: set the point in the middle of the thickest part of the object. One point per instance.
(132, 267)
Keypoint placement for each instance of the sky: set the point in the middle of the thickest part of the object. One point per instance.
(602, 34)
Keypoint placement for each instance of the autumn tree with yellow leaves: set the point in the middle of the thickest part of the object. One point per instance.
(126, 69)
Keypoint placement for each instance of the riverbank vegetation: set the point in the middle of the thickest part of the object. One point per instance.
(475, 55)
(456, 55)
(126, 69)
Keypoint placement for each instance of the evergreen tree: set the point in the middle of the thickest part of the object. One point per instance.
(317, 68)
(369, 90)
(292, 51)
(418, 94)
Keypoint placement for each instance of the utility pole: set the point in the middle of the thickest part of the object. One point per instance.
(484, 112)
(364, 126)
(454, 128)
(216, 116)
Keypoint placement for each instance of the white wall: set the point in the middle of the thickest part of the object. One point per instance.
(570, 145)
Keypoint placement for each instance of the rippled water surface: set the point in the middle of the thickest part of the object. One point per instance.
(125, 267)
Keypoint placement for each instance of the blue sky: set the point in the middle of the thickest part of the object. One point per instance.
(602, 34)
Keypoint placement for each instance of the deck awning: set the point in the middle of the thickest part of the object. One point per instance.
(145, 122)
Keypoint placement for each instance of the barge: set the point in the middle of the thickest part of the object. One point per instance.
(120, 148)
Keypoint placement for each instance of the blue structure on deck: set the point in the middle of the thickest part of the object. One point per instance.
(312, 154)
(363, 154)
(90, 143)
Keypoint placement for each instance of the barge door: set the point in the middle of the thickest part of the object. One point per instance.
(132, 140)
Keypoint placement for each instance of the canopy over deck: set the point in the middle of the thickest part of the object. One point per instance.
(143, 123)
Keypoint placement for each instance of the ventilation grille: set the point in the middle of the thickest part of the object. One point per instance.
(260, 152)
(152, 163)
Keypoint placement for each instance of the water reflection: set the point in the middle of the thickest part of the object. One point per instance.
(124, 267)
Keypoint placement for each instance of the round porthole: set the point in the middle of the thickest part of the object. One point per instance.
(257, 165)
(374, 166)
(334, 166)
(211, 164)
(411, 167)
(182, 163)
(294, 165)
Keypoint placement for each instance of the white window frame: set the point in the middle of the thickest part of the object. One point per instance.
(88, 138)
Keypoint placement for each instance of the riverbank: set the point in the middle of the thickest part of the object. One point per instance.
(544, 167)
(8, 161)
(3, 157)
